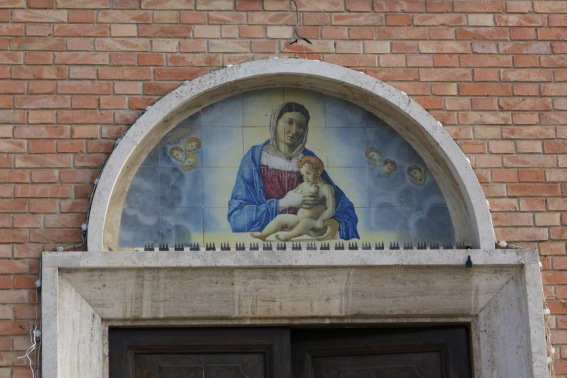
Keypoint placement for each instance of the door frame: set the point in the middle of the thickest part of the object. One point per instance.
(500, 296)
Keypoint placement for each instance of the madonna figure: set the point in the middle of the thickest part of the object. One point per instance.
(268, 174)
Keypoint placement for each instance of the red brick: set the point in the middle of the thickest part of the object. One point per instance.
(151, 59)
(84, 87)
(25, 311)
(14, 175)
(167, 4)
(504, 204)
(55, 236)
(356, 33)
(483, 103)
(486, 74)
(5, 283)
(13, 206)
(126, 17)
(351, 60)
(490, 6)
(525, 48)
(43, 161)
(318, 6)
(554, 118)
(444, 47)
(33, 132)
(398, 19)
(42, 206)
(64, 220)
(400, 6)
(458, 74)
(528, 132)
(163, 31)
(529, 161)
(14, 236)
(485, 89)
(75, 206)
(402, 33)
(82, 16)
(12, 146)
(82, 30)
(485, 118)
(94, 146)
(113, 132)
(90, 161)
(122, 44)
(512, 219)
(504, 175)
(526, 61)
(45, 176)
(555, 146)
(520, 19)
(31, 43)
(75, 176)
(92, 4)
(71, 146)
(478, 33)
(178, 74)
(126, 117)
(159, 88)
(12, 87)
(531, 175)
(551, 7)
(43, 191)
(439, 19)
(41, 102)
(84, 116)
(40, 146)
(484, 48)
(522, 234)
(41, 4)
(27, 221)
(39, 16)
(533, 190)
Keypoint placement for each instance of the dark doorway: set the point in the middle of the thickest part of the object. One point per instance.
(289, 352)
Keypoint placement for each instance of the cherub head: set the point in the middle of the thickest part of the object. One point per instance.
(416, 174)
(311, 168)
(374, 155)
(177, 153)
(191, 162)
(192, 144)
(388, 167)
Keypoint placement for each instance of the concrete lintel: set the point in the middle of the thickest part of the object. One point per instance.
(499, 296)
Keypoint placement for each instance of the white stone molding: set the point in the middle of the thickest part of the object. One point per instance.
(463, 194)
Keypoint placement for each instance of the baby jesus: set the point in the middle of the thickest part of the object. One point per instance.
(308, 219)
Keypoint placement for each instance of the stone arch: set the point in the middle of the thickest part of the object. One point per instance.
(457, 181)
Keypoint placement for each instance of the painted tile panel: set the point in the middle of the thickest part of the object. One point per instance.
(343, 172)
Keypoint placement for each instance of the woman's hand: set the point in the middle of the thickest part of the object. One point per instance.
(332, 230)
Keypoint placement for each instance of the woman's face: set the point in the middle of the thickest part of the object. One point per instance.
(290, 128)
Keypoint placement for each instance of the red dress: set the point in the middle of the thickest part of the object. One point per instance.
(278, 182)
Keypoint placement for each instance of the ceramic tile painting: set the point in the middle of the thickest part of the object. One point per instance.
(283, 165)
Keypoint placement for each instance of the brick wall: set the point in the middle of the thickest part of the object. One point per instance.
(75, 74)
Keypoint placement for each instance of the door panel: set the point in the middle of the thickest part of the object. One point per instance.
(200, 365)
(200, 352)
(384, 353)
(278, 352)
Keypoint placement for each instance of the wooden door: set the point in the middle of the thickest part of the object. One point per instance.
(381, 353)
(440, 352)
(199, 352)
